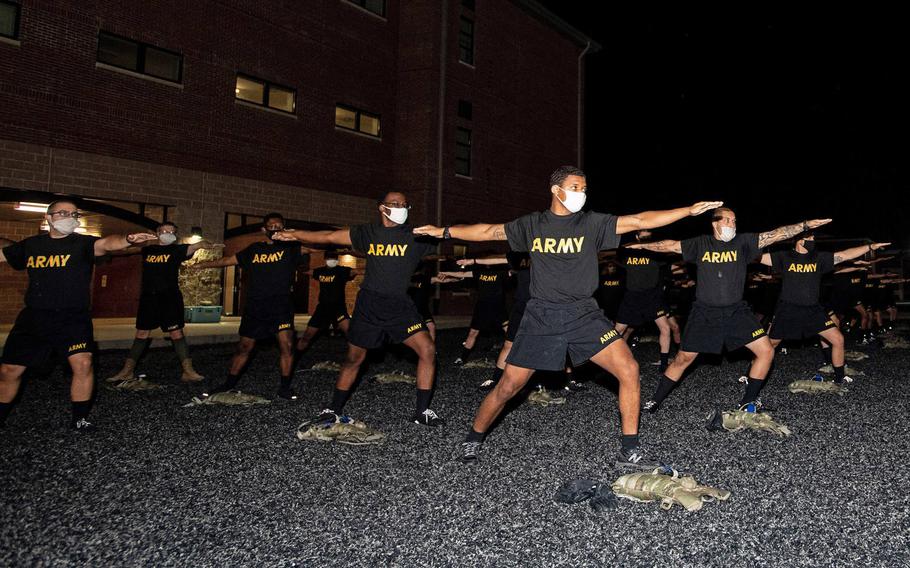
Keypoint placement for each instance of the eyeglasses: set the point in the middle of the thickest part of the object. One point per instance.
(396, 205)
(65, 214)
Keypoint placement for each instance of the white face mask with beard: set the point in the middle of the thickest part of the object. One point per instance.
(66, 226)
(167, 238)
(575, 200)
(396, 215)
(727, 234)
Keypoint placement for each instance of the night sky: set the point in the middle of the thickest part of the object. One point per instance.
(782, 118)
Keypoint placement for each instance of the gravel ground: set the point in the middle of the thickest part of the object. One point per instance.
(164, 485)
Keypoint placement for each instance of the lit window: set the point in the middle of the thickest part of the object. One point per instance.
(375, 6)
(463, 152)
(9, 19)
(263, 93)
(466, 41)
(358, 120)
(139, 57)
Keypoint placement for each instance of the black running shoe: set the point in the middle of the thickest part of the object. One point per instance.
(487, 385)
(327, 416)
(469, 451)
(427, 418)
(83, 426)
(574, 386)
(650, 406)
(715, 421)
(635, 459)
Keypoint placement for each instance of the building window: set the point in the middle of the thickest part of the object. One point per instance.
(266, 94)
(466, 41)
(465, 109)
(375, 6)
(9, 19)
(463, 152)
(358, 121)
(139, 57)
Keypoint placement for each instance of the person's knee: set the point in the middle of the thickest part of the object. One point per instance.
(244, 347)
(143, 333)
(81, 366)
(354, 358)
(509, 386)
(426, 352)
(764, 351)
(836, 340)
(176, 334)
(9, 372)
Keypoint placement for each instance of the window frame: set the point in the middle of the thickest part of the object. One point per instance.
(362, 4)
(357, 114)
(461, 20)
(470, 147)
(266, 93)
(17, 23)
(141, 48)
(465, 105)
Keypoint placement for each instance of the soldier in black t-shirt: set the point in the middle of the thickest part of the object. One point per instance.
(490, 276)
(269, 268)
(799, 313)
(383, 311)
(719, 317)
(332, 309)
(610, 288)
(562, 316)
(161, 302)
(57, 315)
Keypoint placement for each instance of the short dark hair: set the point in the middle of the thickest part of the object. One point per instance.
(57, 202)
(716, 216)
(166, 224)
(268, 217)
(562, 172)
(330, 254)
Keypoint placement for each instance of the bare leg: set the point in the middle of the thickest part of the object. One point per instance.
(513, 380)
(617, 360)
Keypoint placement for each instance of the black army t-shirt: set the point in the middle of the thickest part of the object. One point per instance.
(160, 267)
(563, 251)
(520, 263)
(269, 268)
(721, 266)
(644, 269)
(420, 287)
(392, 253)
(59, 270)
(801, 275)
(491, 282)
(332, 282)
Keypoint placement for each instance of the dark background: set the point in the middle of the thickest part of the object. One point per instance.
(783, 117)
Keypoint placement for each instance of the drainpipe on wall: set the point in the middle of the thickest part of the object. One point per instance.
(581, 113)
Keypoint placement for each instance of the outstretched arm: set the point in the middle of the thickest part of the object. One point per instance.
(766, 259)
(474, 233)
(659, 246)
(655, 219)
(783, 233)
(328, 237)
(489, 261)
(191, 250)
(856, 252)
(217, 263)
(113, 243)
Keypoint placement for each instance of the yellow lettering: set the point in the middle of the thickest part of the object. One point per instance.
(608, 336)
(549, 245)
(402, 249)
(758, 332)
(535, 246)
(578, 242)
(77, 346)
(371, 250)
(414, 327)
(41, 262)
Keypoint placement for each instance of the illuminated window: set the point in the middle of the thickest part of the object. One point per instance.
(139, 57)
(263, 93)
(9, 19)
(463, 152)
(357, 120)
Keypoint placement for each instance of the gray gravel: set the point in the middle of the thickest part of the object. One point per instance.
(164, 485)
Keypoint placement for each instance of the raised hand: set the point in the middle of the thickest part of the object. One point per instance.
(136, 238)
(816, 223)
(702, 206)
(876, 246)
(429, 230)
(284, 235)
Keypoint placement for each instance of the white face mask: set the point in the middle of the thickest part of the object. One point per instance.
(396, 214)
(575, 200)
(727, 234)
(331, 263)
(167, 238)
(66, 226)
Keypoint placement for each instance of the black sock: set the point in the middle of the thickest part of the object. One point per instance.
(839, 374)
(5, 409)
(664, 387)
(475, 436)
(629, 441)
(423, 399)
(181, 349)
(497, 374)
(81, 409)
(138, 348)
(285, 382)
(465, 352)
(339, 399)
(753, 387)
(664, 361)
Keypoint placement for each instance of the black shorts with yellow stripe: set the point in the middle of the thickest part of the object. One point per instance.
(639, 307)
(328, 315)
(793, 321)
(549, 330)
(38, 335)
(379, 318)
(710, 329)
(265, 318)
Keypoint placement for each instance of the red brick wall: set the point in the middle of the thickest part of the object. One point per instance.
(13, 283)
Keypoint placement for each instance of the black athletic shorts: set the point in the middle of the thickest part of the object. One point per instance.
(518, 311)
(711, 328)
(845, 304)
(163, 310)
(264, 318)
(641, 306)
(39, 334)
(793, 321)
(379, 318)
(489, 316)
(548, 330)
(424, 310)
(327, 315)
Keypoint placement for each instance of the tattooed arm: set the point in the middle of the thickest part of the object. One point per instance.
(788, 231)
(479, 232)
(659, 246)
(856, 252)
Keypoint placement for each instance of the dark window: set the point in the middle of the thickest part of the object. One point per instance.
(468, 4)
(9, 19)
(140, 57)
(375, 6)
(263, 93)
(466, 41)
(465, 110)
(463, 152)
(357, 120)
